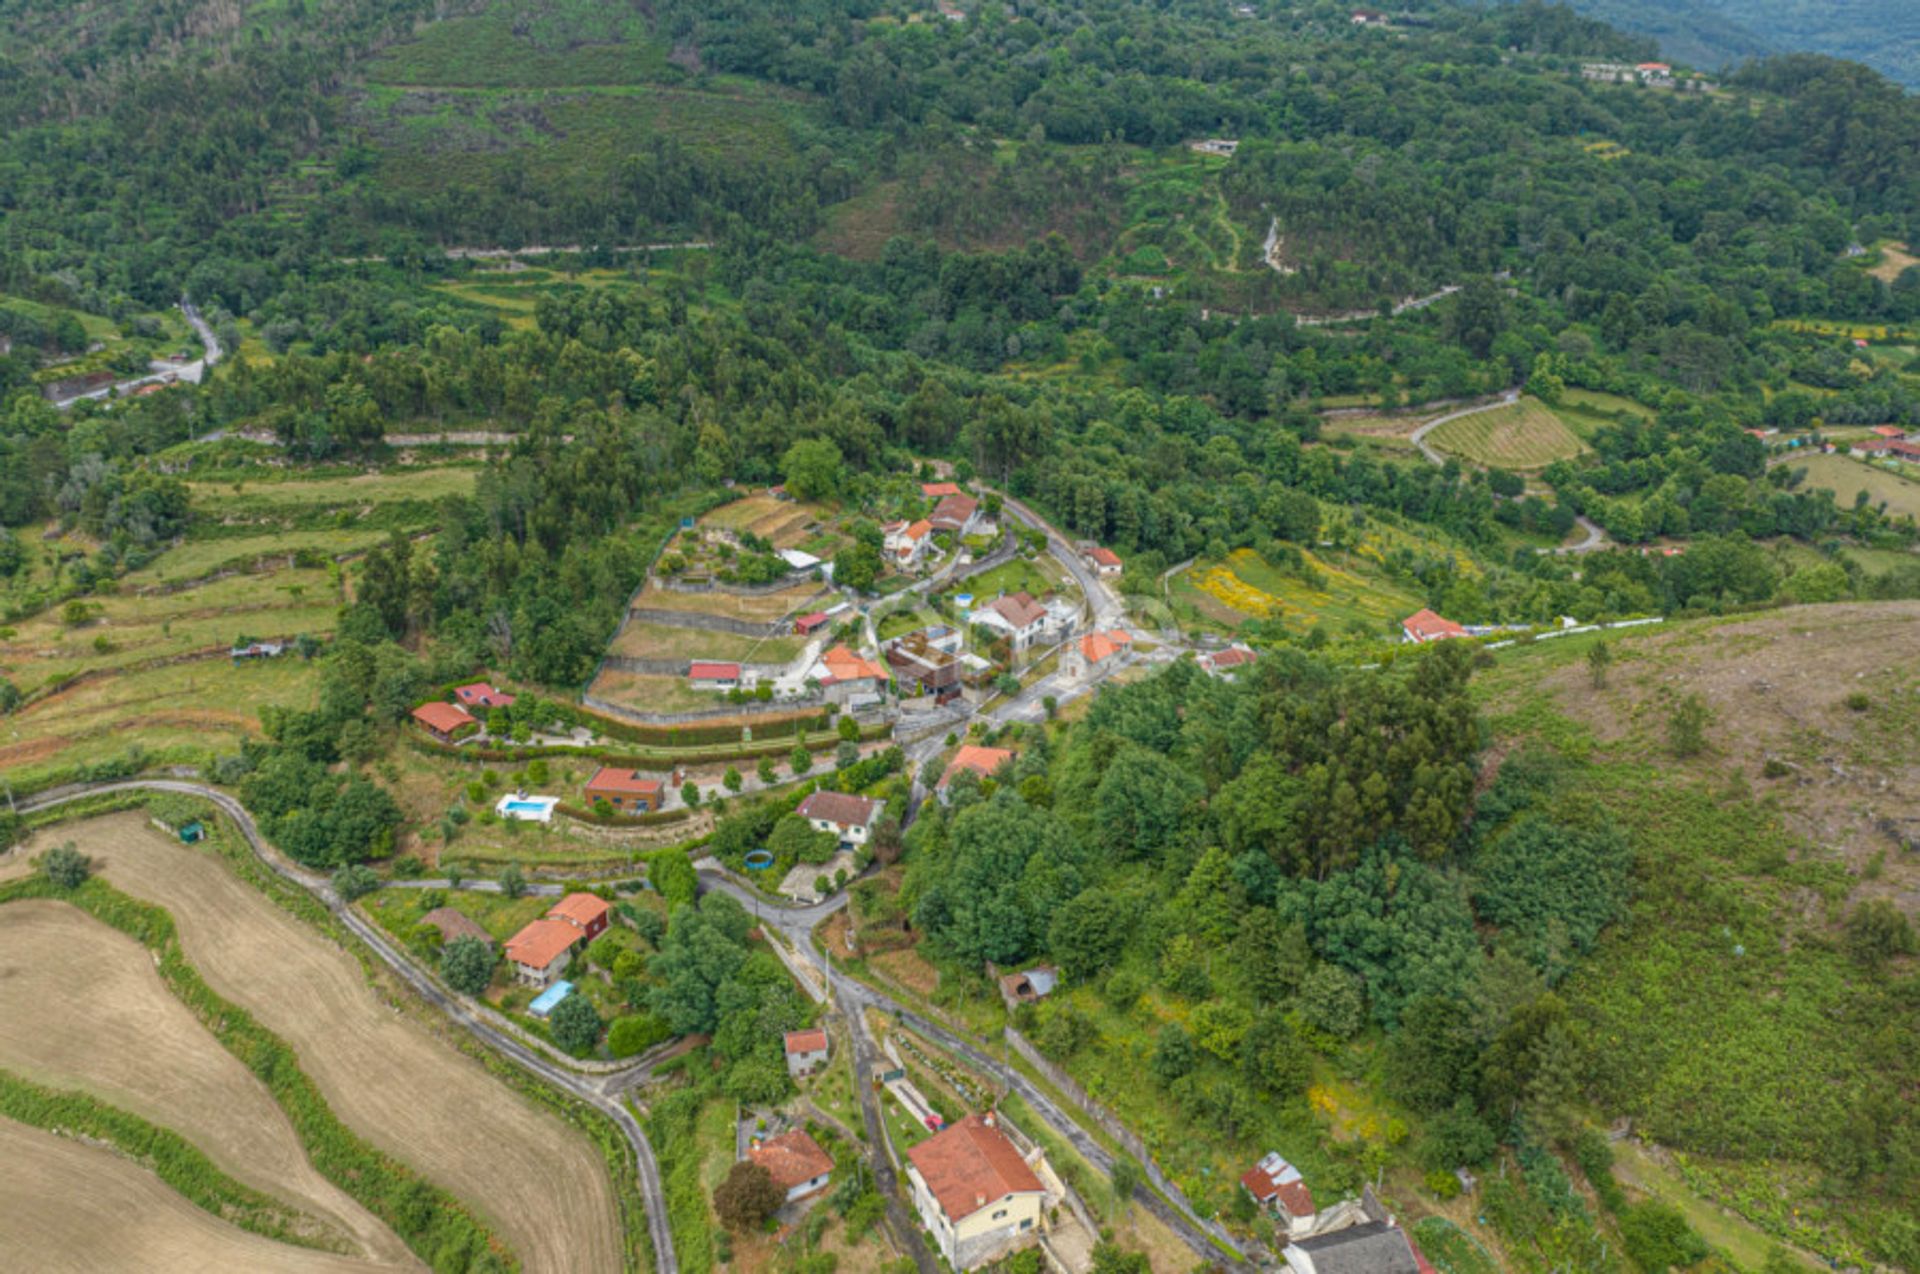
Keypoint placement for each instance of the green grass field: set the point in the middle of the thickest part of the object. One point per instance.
(1526, 435)
(1846, 477)
(1017, 576)
(661, 641)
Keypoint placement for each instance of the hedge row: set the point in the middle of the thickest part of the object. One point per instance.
(432, 1222)
(607, 756)
(165, 1153)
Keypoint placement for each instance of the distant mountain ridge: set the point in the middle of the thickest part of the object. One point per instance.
(1883, 34)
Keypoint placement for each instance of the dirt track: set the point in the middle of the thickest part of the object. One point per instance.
(540, 1183)
(70, 1208)
(178, 1076)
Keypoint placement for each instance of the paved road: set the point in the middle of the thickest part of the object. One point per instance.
(454, 1007)
(852, 998)
(192, 373)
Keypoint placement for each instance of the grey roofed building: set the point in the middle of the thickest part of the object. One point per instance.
(1372, 1247)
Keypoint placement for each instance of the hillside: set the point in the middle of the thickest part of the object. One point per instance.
(1883, 34)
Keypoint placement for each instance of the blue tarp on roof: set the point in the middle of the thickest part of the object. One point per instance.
(544, 1003)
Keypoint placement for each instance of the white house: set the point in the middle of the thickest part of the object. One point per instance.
(796, 1163)
(1226, 664)
(851, 818)
(907, 543)
(1018, 616)
(807, 1052)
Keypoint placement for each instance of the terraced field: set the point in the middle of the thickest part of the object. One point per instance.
(540, 1184)
(1526, 435)
(178, 1077)
(73, 1208)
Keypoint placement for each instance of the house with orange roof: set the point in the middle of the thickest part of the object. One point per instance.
(907, 543)
(1277, 1186)
(481, 694)
(1088, 655)
(1424, 626)
(972, 758)
(628, 791)
(807, 1052)
(445, 721)
(1104, 561)
(795, 1161)
(1226, 664)
(978, 1195)
(540, 951)
(939, 490)
(955, 514)
(846, 676)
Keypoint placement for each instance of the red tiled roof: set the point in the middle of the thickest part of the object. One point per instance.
(1890, 431)
(839, 807)
(954, 510)
(814, 620)
(1424, 625)
(442, 716)
(982, 761)
(1231, 657)
(934, 489)
(541, 942)
(1291, 1193)
(970, 1165)
(1099, 646)
(812, 1041)
(579, 910)
(792, 1159)
(844, 665)
(706, 670)
(1019, 609)
(1104, 557)
(483, 695)
(608, 779)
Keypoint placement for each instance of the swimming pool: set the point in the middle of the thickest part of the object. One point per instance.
(531, 809)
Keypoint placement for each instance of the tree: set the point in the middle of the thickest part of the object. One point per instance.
(66, 866)
(1331, 1000)
(766, 771)
(747, 1196)
(1173, 1054)
(1599, 659)
(857, 566)
(794, 840)
(1433, 1057)
(799, 760)
(1687, 726)
(467, 964)
(690, 794)
(811, 468)
(1458, 1138)
(1274, 1057)
(1126, 1180)
(731, 780)
(575, 1024)
(1875, 932)
(354, 881)
(1658, 1238)
(847, 728)
(846, 755)
(513, 881)
(1087, 933)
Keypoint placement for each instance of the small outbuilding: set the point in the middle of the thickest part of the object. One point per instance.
(445, 721)
(807, 1052)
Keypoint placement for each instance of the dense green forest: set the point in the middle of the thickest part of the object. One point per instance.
(988, 242)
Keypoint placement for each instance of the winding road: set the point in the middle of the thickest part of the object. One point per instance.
(1595, 538)
(853, 998)
(568, 1081)
(192, 373)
